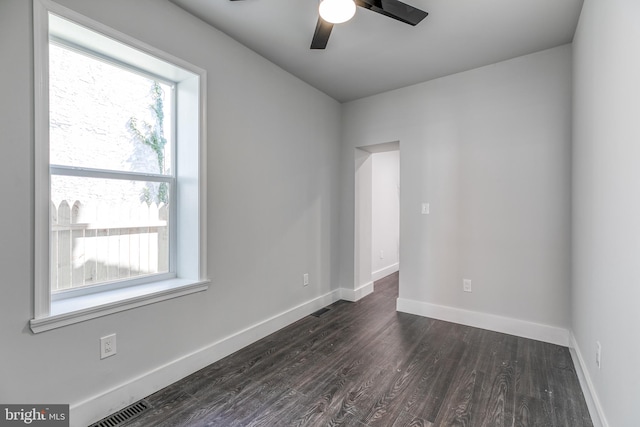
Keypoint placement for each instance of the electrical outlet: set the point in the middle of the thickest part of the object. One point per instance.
(108, 346)
(598, 354)
(305, 279)
(425, 209)
(381, 254)
(466, 285)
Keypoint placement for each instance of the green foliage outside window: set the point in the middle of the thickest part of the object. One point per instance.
(152, 135)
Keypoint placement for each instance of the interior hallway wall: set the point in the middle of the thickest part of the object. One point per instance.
(385, 227)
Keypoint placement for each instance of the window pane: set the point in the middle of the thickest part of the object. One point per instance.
(107, 117)
(103, 230)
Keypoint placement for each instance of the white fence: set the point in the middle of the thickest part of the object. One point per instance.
(97, 243)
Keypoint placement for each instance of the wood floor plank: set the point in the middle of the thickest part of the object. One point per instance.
(467, 396)
(441, 357)
(567, 402)
(533, 408)
(499, 407)
(364, 364)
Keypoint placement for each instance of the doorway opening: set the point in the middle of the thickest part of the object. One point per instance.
(377, 214)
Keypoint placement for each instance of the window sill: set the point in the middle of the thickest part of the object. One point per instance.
(78, 309)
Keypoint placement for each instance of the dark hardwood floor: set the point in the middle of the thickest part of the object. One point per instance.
(364, 364)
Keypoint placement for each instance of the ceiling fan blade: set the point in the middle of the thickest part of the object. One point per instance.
(394, 9)
(321, 35)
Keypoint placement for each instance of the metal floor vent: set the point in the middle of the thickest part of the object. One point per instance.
(123, 415)
(321, 312)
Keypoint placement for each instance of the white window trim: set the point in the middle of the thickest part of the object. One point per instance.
(190, 240)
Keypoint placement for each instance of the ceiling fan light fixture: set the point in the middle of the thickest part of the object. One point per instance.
(337, 11)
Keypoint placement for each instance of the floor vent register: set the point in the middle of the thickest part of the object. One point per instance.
(126, 414)
(321, 312)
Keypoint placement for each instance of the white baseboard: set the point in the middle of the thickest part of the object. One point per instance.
(99, 406)
(384, 272)
(593, 403)
(506, 325)
(354, 295)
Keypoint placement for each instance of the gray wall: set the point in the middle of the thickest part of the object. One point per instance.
(385, 215)
(273, 143)
(489, 149)
(606, 203)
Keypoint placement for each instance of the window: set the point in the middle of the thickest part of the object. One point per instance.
(111, 172)
(119, 171)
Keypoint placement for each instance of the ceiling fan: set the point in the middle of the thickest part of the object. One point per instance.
(391, 8)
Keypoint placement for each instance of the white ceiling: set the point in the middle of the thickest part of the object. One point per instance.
(372, 53)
